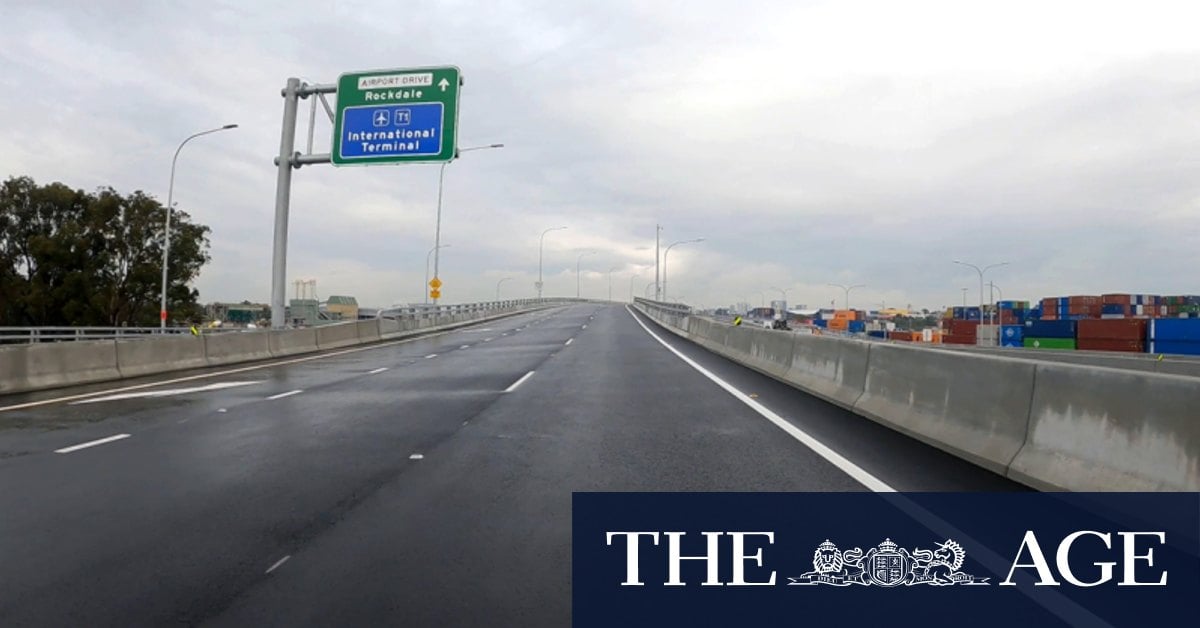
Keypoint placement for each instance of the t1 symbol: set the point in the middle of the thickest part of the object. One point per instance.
(401, 117)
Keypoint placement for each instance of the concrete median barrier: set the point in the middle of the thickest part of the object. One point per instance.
(1096, 429)
(764, 349)
(368, 331)
(388, 326)
(232, 347)
(151, 356)
(830, 368)
(337, 335)
(974, 406)
(287, 342)
(54, 364)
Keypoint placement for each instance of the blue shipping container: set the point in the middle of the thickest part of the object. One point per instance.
(1174, 347)
(1174, 329)
(1012, 335)
(857, 326)
(822, 323)
(1112, 308)
(1050, 329)
(1035, 314)
(877, 334)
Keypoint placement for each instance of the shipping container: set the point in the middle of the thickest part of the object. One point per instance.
(1175, 347)
(1083, 300)
(1050, 329)
(839, 324)
(1174, 329)
(1110, 344)
(958, 340)
(822, 323)
(857, 327)
(1012, 335)
(1117, 299)
(1122, 329)
(877, 334)
(1049, 343)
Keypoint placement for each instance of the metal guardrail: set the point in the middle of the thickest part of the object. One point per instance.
(33, 335)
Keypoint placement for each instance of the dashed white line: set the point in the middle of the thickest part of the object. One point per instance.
(377, 371)
(584, 327)
(417, 457)
(504, 334)
(431, 356)
(487, 339)
(519, 382)
(278, 563)
(465, 347)
(92, 443)
(286, 394)
(570, 340)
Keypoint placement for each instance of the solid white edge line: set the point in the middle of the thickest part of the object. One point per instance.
(92, 443)
(189, 378)
(519, 382)
(570, 340)
(377, 371)
(278, 563)
(1057, 604)
(286, 394)
(819, 448)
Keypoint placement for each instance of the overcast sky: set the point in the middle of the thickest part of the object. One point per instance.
(807, 142)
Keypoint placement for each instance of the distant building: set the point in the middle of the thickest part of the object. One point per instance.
(302, 312)
(236, 314)
(342, 308)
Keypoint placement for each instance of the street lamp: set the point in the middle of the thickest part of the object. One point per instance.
(498, 286)
(427, 286)
(981, 271)
(646, 292)
(993, 289)
(578, 283)
(631, 287)
(162, 310)
(965, 296)
(541, 242)
(664, 263)
(610, 272)
(437, 229)
(846, 290)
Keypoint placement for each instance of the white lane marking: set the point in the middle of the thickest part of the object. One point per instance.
(166, 393)
(91, 443)
(1054, 602)
(222, 410)
(377, 371)
(286, 394)
(243, 369)
(839, 461)
(465, 347)
(487, 339)
(504, 334)
(570, 340)
(278, 563)
(416, 457)
(519, 382)
(584, 327)
(431, 356)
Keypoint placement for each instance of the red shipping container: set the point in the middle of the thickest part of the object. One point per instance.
(1086, 300)
(1124, 329)
(1049, 303)
(963, 328)
(1116, 299)
(1007, 317)
(958, 340)
(1108, 344)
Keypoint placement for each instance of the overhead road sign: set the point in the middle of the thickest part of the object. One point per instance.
(396, 116)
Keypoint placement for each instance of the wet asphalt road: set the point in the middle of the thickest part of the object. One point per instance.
(401, 484)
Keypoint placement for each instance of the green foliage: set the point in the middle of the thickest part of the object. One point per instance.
(72, 258)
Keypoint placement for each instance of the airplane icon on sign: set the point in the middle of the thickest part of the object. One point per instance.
(381, 117)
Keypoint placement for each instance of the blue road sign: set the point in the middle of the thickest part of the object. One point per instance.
(372, 131)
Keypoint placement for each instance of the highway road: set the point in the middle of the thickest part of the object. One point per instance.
(425, 482)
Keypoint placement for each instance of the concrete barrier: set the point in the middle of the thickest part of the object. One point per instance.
(1093, 429)
(151, 356)
(337, 335)
(231, 347)
(974, 406)
(389, 326)
(830, 368)
(368, 331)
(286, 342)
(53, 364)
(763, 349)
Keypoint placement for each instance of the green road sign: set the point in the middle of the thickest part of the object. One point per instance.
(396, 116)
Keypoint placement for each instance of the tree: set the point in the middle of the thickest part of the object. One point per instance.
(72, 258)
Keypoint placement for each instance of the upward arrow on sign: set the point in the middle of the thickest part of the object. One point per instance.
(444, 84)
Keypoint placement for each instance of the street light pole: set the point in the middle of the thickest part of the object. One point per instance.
(427, 286)
(578, 283)
(631, 287)
(846, 291)
(965, 296)
(162, 310)
(981, 271)
(610, 272)
(664, 263)
(437, 229)
(657, 257)
(498, 286)
(541, 243)
(647, 290)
